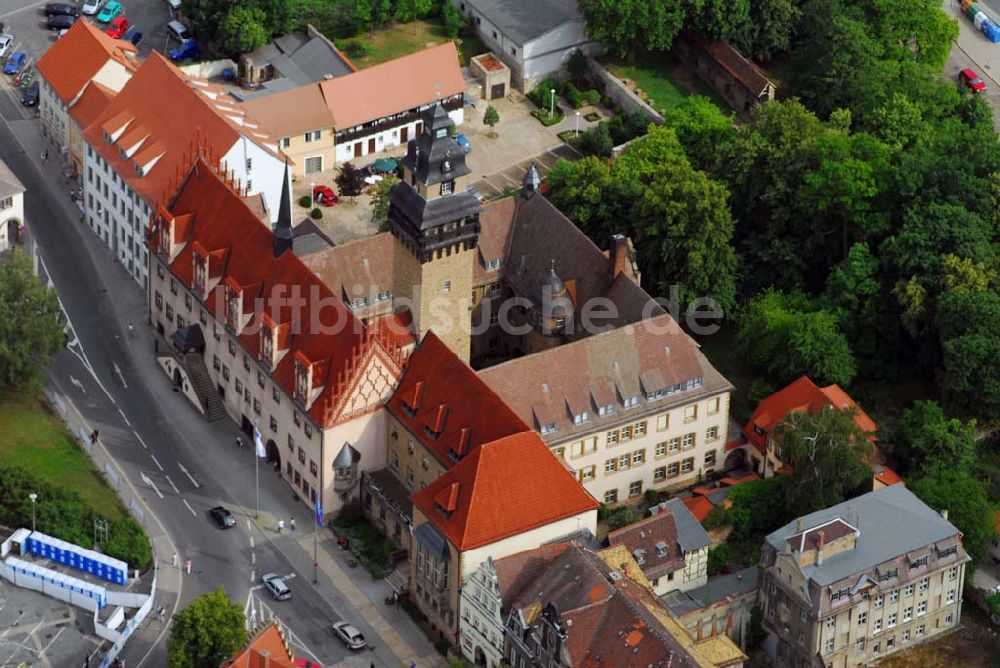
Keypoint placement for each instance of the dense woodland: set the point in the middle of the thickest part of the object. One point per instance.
(849, 230)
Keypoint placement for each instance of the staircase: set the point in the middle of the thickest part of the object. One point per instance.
(399, 579)
(197, 372)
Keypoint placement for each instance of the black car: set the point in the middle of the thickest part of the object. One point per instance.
(30, 96)
(60, 22)
(61, 9)
(223, 517)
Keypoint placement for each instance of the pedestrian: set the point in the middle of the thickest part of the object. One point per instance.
(281, 525)
(94, 436)
(239, 442)
(291, 523)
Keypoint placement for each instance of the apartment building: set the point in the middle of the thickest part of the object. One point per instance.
(82, 56)
(139, 145)
(670, 547)
(320, 125)
(11, 208)
(861, 580)
(256, 336)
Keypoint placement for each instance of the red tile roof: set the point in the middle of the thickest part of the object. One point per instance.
(78, 56)
(394, 86)
(440, 393)
(211, 220)
(504, 488)
(266, 649)
(803, 395)
(646, 535)
(162, 114)
(887, 476)
(699, 506)
(90, 103)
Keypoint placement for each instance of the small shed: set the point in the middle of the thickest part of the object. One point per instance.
(742, 83)
(495, 76)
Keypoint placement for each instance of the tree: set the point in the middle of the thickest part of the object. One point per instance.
(597, 141)
(786, 336)
(965, 499)
(350, 181)
(242, 29)
(828, 453)
(626, 27)
(925, 438)
(207, 632)
(30, 331)
(380, 201)
(451, 17)
(491, 118)
(726, 20)
(967, 322)
(773, 22)
(578, 65)
(701, 127)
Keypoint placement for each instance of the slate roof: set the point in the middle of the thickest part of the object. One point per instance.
(303, 59)
(720, 587)
(74, 59)
(501, 489)
(644, 540)
(523, 21)
(891, 522)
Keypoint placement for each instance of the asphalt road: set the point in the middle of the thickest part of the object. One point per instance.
(152, 432)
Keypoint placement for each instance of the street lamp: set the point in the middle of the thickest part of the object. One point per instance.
(552, 102)
(577, 124)
(312, 195)
(33, 497)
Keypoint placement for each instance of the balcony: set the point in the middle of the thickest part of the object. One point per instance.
(383, 124)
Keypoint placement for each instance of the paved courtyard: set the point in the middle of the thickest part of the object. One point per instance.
(36, 630)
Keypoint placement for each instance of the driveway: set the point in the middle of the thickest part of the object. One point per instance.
(972, 49)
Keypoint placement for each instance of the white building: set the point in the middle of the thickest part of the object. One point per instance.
(136, 147)
(11, 208)
(84, 54)
(534, 37)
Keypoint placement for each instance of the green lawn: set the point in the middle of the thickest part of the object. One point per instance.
(34, 438)
(664, 79)
(399, 39)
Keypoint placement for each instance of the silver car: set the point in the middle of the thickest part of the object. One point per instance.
(274, 584)
(91, 7)
(350, 635)
(5, 43)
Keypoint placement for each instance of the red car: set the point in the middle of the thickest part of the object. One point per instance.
(972, 80)
(117, 28)
(324, 195)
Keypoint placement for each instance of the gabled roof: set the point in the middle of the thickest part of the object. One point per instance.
(90, 103)
(291, 112)
(606, 364)
(735, 63)
(394, 86)
(699, 506)
(303, 56)
(803, 395)
(75, 58)
(210, 216)
(266, 649)
(170, 113)
(440, 393)
(505, 487)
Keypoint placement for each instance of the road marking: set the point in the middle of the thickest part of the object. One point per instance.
(121, 377)
(290, 576)
(193, 482)
(190, 508)
(256, 587)
(77, 384)
(122, 413)
(139, 438)
(173, 485)
(253, 575)
(155, 461)
(49, 644)
(253, 558)
(22, 9)
(251, 542)
(146, 479)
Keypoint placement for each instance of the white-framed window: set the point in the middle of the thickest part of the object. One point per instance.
(924, 583)
(953, 573)
(921, 608)
(831, 622)
(314, 135)
(919, 633)
(879, 600)
(908, 614)
(711, 434)
(862, 618)
(828, 647)
(905, 637)
(877, 626)
(909, 590)
(890, 621)
(894, 596)
(314, 165)
(611, 496)
(950, 596)
(660, 450)
(635, 488)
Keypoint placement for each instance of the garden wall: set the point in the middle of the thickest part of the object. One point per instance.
(620, 94)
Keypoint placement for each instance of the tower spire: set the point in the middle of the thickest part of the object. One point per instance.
(283, 228)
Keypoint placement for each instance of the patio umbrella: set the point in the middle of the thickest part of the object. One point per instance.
(385, 165)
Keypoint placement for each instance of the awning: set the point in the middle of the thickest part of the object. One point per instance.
(188, 338)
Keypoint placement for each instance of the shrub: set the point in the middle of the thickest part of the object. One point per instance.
(619, 517)
(716, 519)
(357, 48)
(719, 558)
(316, 213)
(625, 127)
(451, 17)
(578, 66)
(541, 94)
(546, 119)
(597, 141)
(305, 201)
(573, 96)
(591, 97)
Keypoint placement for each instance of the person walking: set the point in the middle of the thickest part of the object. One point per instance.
(281, 525)
(94, 436)
(239, 442)
(291, 523)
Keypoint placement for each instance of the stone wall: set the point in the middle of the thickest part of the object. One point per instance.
(620, 94)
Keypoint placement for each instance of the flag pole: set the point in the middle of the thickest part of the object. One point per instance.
(256, 470)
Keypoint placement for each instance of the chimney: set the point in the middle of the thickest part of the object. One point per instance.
(820, 544)
(944, 513)
(800, 525)
(618, 254)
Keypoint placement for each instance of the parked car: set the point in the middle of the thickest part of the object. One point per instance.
(349, 635)
(274, 584)
(174, 4)
(223, 517)
(5, 43)
(133, 35)
(971, 80)
(463, 141)
(60, 22)
(186, 51)
(110, 11)
(324, 195)
(30, 96)
(15, 62)
(179, 31)
(117, 28)
(91, 7)
(61, 9)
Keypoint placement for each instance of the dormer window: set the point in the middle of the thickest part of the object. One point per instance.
(580, 418)
(233, 308)
(631, 402)
(603, 411)
(661, 549)
(267, 345)
(200, 273)
(493, 265)
(447, 187)
(654, 395)
(548, 428)
(640, 556)
(302, 384)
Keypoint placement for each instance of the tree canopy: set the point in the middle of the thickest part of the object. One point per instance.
(30, 331)
(626, 27)
(207, 632)
(964, 498)
(926, 438)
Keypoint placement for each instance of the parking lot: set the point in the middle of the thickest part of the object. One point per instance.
(42, 631)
